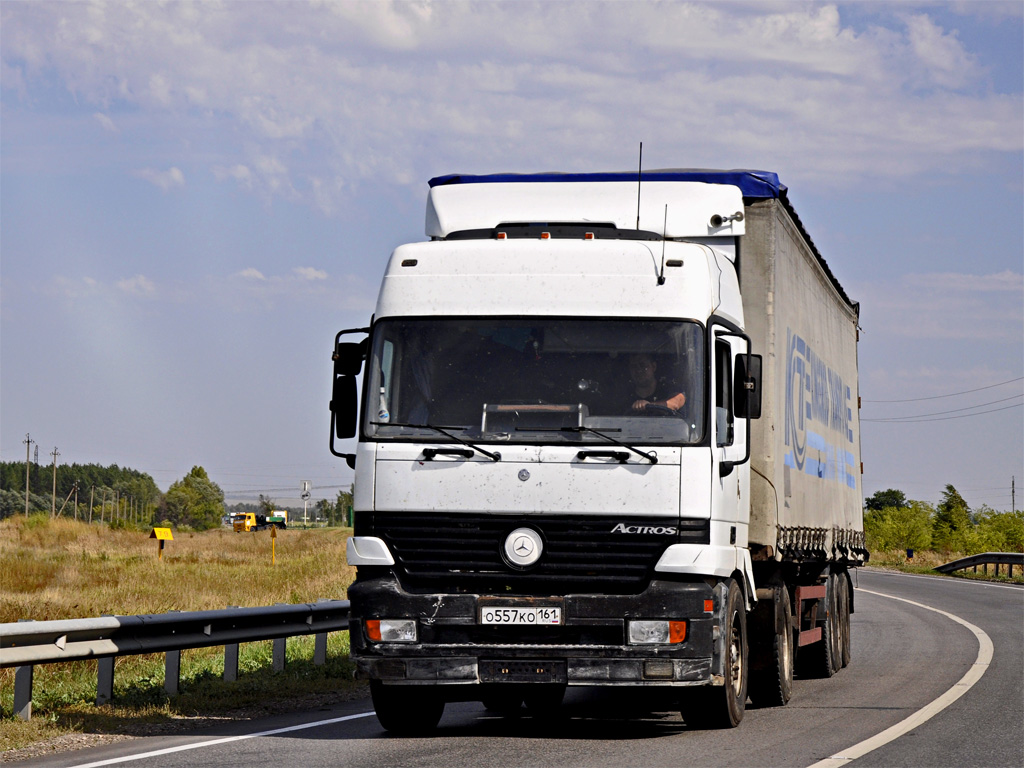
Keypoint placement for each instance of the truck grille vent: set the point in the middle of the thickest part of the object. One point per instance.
(463, 552)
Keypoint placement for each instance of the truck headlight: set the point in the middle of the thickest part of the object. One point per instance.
(391, 630)
(657, 632)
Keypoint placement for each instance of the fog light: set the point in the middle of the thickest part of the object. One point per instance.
(658, 669)
(391, 630)
(657, 632)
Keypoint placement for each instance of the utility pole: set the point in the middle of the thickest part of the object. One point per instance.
(53, 507)
(92, 495)
(28, 447)
(1013, 493)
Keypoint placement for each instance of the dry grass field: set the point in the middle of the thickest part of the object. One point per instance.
(62, 569)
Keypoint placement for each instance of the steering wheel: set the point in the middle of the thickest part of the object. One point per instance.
(661, 410)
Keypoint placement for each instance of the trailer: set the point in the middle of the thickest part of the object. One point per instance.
(609, 437)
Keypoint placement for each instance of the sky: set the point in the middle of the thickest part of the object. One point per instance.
(195, 197)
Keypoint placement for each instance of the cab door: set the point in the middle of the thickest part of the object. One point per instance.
(729, 437)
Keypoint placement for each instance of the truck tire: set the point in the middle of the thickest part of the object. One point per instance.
(406, 710)
(823, 658)
(723, 707)
(771, 675)
(844, 618)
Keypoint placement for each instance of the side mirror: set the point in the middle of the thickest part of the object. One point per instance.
(747, 387)
(344, 406)
(348, 358)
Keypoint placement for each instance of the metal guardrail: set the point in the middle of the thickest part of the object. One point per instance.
(24, 644)
(1009, 559)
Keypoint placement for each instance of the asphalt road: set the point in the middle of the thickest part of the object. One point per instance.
(905, 657)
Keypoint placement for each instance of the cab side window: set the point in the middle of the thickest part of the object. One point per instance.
(723, 394)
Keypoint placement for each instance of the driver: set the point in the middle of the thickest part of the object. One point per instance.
(649, 388)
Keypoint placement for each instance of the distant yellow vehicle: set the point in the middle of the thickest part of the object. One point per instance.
(251, 521)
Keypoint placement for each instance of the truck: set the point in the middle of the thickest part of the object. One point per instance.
(254, 521)
(608, 437)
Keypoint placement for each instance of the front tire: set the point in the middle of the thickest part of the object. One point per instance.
(723, 707)
(771, 674)
(406, 710)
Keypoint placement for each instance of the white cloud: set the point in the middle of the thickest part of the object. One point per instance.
(172, 177)
(251, 274)
(106, 122)
(318, 97)
(139, 285)
(309, 273)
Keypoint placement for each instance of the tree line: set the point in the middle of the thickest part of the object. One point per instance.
(894, 522)
(122, 496)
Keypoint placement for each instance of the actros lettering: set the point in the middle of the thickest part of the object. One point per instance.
(655, 530)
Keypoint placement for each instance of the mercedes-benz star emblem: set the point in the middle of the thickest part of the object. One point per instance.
(523, 547)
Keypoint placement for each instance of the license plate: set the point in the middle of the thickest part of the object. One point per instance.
(529, 615)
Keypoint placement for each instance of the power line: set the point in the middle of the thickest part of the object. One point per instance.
(917, 420)
(958, 410)
(951, 394)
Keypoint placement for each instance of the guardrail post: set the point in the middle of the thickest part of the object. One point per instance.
(279, 653)
(105, 681)
(320, 649)
(23, 692)
(172, 672)
(320, 645)
(231, 660)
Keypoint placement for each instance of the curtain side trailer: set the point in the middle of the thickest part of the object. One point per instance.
(608, 436)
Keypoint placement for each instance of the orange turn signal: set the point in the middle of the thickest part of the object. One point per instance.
(373, 629)
(709, 606)
(676, 631)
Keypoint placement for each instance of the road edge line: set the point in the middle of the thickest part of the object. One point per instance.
(927, 712)
(224, 740)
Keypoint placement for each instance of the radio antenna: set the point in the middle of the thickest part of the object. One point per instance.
(664, 233)
(639, 172)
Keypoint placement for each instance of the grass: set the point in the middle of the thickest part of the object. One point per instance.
(63, 569)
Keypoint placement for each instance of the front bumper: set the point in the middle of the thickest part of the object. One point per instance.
(589, 648)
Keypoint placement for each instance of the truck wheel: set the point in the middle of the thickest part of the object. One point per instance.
(844, 618)
(406, 710)
(771, 682)
(724, 707)
(822, 659)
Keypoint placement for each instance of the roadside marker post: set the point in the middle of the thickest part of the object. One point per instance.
(161, 535)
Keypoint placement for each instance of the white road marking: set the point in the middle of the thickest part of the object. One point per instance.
(964, 684)
(225, 740)
(948, 579)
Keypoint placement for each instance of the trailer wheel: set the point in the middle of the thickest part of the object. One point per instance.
(724, 707)
(823, 658)
(844, 618)
(406, 710)
(771, 679)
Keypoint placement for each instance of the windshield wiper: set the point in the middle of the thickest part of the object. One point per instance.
(443, 431)
(651, 457)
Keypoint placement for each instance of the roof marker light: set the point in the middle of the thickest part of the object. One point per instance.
(501, 236)
(545, 235)
(588, 235)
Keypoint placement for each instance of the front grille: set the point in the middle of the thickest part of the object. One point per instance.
(462, 552)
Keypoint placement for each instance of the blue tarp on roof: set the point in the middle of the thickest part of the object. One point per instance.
(753, 184)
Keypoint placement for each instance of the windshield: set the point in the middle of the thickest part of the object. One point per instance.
(536, 380)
